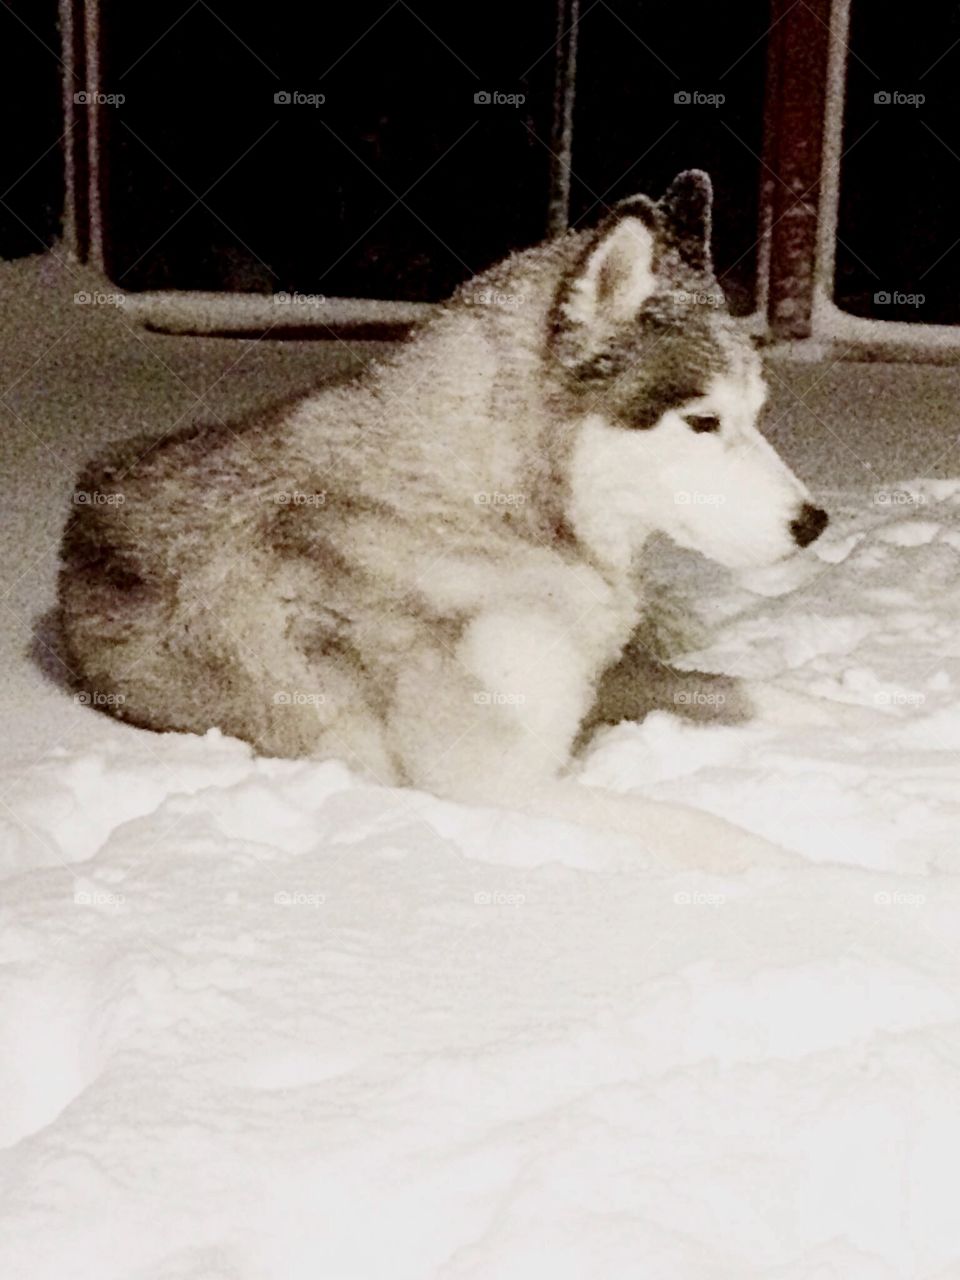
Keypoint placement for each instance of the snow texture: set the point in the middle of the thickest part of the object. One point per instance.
(261, 1022)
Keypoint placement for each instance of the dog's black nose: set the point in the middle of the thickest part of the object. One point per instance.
(809, 524)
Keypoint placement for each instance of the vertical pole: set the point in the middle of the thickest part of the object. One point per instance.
(76, 227)
(832, 154)
(561, 138)
(95, 114)
(796, 104)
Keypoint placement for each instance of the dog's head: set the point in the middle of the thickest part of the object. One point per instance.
(666, 392)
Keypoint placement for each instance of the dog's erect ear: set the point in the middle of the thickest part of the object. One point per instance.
(616, 275)
(686, 210)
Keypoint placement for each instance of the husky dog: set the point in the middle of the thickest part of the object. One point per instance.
(428, 571)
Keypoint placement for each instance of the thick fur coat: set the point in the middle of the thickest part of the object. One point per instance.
(431, 571)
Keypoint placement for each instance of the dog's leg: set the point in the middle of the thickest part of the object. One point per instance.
(502, 707)
(493, 722)
(641, 682)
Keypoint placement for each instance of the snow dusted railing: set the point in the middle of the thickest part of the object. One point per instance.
(808, 69)
(280, 314)
(807, 60)
(828, 322)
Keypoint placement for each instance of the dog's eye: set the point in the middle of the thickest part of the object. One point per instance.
(702, 421)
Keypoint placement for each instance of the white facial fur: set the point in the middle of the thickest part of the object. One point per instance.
(726, 494)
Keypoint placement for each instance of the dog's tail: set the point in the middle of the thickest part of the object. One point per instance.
(113, 593)
(667, 836)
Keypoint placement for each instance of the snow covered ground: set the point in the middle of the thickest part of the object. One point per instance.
(261, 1022)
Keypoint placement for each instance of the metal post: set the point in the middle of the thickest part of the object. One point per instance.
(561, 138)
(799, 56)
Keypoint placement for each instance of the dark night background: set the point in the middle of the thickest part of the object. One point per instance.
(302, 197)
